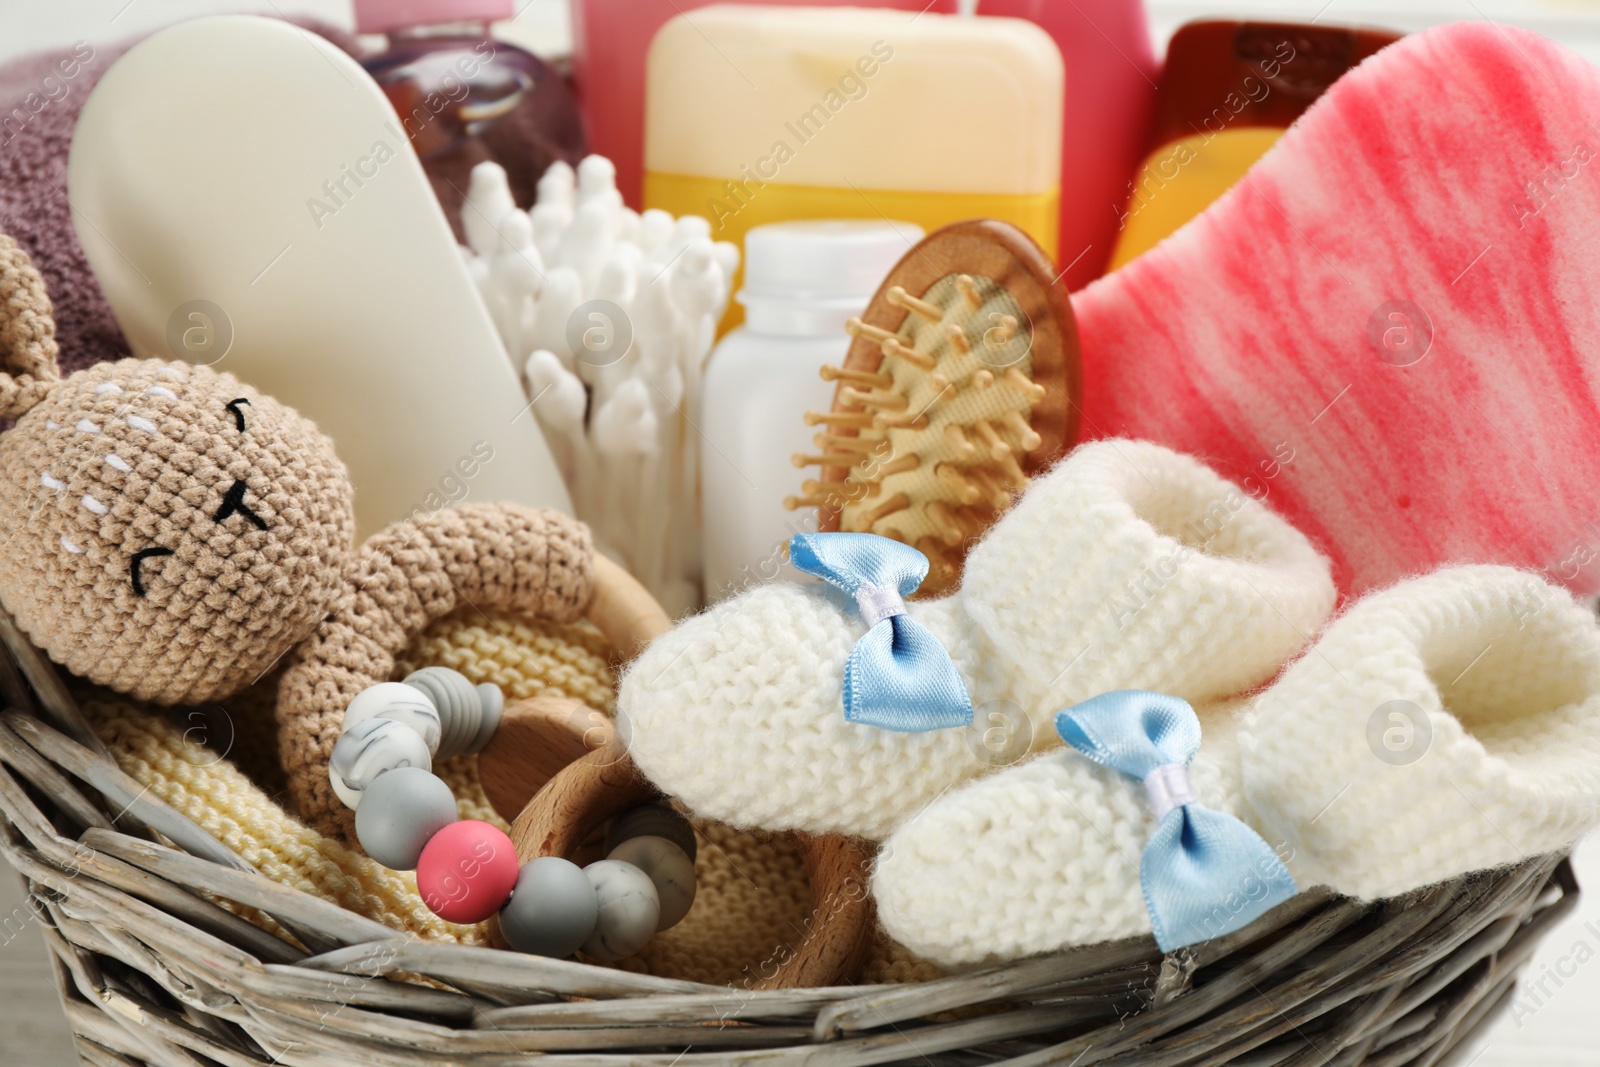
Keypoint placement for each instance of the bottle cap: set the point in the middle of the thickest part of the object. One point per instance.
(822, 260)
(386, 16)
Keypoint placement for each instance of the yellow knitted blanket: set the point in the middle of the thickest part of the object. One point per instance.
(217, 766)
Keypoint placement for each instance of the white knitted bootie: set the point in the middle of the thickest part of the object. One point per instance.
(1036, 857)
(1445, 725)
(1127, 566)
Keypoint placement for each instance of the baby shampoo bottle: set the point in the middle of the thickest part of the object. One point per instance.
(760, 114)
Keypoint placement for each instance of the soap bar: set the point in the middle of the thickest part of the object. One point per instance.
(1229, 91)
(246, 197)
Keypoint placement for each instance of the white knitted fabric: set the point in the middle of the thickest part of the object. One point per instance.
(1505, 670)
(1037, 857)
(1126, 566)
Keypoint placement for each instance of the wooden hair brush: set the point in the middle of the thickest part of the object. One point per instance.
(961, 383)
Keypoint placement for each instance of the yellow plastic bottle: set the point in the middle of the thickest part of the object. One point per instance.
(766, 114)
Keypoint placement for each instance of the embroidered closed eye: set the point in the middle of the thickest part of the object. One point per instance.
(138, 561)
(238, 412)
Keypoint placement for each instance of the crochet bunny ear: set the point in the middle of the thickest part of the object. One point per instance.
(27, 333)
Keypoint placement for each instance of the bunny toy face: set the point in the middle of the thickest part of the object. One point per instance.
(167, 531)
(171, 533)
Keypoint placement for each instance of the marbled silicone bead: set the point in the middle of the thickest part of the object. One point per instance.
(400, 702)
(669, 869)
(466, 871)
(629, 909)
(400, 812)
(553, 909)
(369, 749)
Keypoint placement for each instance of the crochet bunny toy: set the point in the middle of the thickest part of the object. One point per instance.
(1127, 565)
(168, 532)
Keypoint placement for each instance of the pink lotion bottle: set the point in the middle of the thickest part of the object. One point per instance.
(464, 97)
(1112, 72)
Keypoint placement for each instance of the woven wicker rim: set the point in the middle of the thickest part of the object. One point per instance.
(153, 971)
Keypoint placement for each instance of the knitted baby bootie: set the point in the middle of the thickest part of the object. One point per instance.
(1445, 725)
(1037, 857)
(1382, 327)
(1127, 565)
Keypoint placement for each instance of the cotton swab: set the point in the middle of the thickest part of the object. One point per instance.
(488, 201)
(612, 314)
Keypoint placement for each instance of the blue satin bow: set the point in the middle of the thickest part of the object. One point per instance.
(898, 676)
(1204, 873)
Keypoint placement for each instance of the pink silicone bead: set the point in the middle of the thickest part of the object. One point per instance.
(467, 871)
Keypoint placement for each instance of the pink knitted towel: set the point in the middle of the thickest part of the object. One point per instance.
(1388, 329)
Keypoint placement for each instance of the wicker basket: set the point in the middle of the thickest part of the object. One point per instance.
(152, 970)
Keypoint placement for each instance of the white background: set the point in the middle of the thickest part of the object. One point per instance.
(1563, 1032)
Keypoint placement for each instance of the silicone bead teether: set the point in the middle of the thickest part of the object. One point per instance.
(467, 714)
(402, 810)
(659, 820)
(403, 703)
(553, 908)
(368, 749)
(669, 869)
(630, 910)
(467, 871)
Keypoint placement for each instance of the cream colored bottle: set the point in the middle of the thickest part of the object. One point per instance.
(248, 198)
(768, 114)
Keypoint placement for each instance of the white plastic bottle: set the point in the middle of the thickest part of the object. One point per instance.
(802, 281)
(302, 249)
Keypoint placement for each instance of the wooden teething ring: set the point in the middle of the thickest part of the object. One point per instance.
(568, 806)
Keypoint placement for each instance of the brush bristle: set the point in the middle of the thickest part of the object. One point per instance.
(941, 428)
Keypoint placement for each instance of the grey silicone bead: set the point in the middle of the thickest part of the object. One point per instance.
(669, 868)
(629, 910)
(402, 703)
(552, 910)
(658, 820)
(460, 707)
(399, 812)
(367, 750)
(492, 705)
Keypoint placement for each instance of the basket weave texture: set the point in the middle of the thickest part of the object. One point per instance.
(153, 969)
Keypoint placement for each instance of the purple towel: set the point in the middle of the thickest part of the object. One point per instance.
(40, 97)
